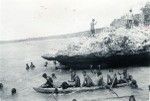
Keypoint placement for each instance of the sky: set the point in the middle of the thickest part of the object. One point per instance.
(21, 19)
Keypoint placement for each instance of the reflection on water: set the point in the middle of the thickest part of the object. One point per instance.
(14, 56)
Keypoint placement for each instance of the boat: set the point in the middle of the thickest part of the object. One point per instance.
(73, 89)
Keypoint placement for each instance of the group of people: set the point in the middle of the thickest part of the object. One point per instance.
(32, 66)
(112, 80)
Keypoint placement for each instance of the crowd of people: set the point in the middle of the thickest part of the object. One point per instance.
(112, 80)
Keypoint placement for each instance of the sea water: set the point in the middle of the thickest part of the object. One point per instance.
(13, 59)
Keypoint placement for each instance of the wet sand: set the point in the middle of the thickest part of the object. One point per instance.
(14, 56)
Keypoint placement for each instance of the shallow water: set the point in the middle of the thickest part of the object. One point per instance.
(14, 56)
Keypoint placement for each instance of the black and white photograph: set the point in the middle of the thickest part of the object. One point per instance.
(74, 50)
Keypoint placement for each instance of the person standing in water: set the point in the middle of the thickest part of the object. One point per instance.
(32, 66)
(46, 63)
(92, 24)
(27, 67)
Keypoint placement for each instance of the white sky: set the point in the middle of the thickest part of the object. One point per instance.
(33, 18)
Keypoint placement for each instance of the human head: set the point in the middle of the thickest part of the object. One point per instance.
(44, 75)
(13, 91)
(132, 98)
(84, 73)
(74, 100)
(130, 10)
(93, 20)
(130, 77)
(53, 75)
(134, 82)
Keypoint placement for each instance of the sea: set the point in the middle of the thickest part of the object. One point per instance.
(13, 74)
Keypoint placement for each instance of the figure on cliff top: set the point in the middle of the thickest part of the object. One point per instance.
(92, 24)
(129, 17)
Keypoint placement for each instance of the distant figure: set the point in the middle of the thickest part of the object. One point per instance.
(75, 79)
(32, 66)
(27, 67)
(149, 87)
(99, 81)
(93, 23)
(1, 86)
(74, 100)
(129, 19)
(13, 91)
(54, 76)
(46, 63)
(49, 81)
(87, 82)
(132, 98)
(133, 83)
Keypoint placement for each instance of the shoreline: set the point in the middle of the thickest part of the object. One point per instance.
(114, 61)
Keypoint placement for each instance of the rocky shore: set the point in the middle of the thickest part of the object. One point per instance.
(111, 47)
